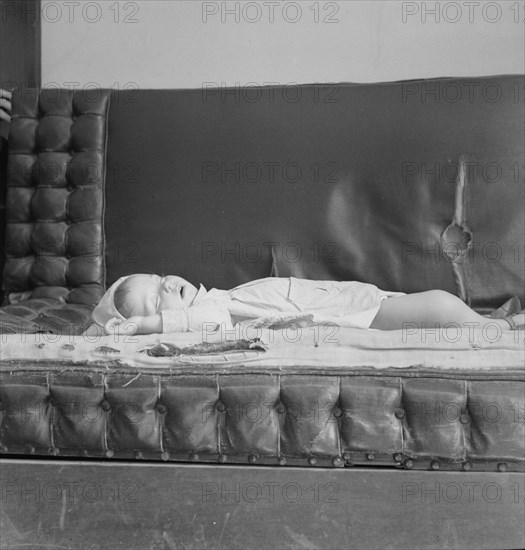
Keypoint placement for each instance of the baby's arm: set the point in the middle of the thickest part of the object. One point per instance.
(195, 318)
(137, 324)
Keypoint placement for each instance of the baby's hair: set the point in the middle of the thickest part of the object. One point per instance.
(121, 299)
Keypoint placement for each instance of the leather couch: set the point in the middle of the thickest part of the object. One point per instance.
(410, 186)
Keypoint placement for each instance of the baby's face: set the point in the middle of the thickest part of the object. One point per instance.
(152, 294)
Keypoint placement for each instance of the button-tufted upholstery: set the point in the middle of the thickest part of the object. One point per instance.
(411, 420)
(44, 315)
(55, 203)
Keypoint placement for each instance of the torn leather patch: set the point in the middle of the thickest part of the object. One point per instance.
(456, 239)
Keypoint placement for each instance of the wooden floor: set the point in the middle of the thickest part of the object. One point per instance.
(109, 505)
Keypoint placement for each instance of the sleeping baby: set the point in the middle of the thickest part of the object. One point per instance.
(147, 304)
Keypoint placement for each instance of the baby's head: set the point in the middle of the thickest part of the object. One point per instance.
(149, 294)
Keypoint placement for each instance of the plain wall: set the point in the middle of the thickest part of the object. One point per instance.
(169, 44)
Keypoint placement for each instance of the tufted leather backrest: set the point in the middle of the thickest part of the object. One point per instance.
(55, 195)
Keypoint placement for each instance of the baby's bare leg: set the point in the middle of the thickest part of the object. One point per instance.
(434, 308)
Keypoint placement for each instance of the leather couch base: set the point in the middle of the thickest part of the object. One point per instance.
(404, 418)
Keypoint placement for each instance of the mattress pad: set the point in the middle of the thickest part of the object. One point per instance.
(318, 396)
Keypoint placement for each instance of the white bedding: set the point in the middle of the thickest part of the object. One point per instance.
(309, 347)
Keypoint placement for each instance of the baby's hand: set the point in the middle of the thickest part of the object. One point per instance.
(118, 327)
